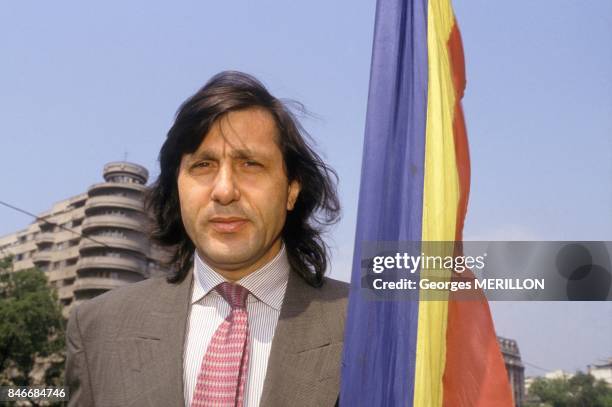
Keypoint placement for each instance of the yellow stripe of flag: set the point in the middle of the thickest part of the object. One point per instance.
(440, 201)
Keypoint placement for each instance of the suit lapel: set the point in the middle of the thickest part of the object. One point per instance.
(300, 341)
(159, 344)
(303, 356)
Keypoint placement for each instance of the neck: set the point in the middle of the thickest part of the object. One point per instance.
(234, 273)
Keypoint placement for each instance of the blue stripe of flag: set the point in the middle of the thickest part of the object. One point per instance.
(380, 339)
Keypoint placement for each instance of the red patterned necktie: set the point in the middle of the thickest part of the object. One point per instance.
(224, 367)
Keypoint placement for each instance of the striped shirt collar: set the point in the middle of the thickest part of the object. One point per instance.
(268, 284)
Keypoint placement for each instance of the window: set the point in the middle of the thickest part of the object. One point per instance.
(46, 227)
(44, 247)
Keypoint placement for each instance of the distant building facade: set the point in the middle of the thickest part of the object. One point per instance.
(514, 367)
(602, 371)
(558, 374)
(92, 242)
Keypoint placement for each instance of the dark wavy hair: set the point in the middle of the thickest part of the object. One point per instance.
(317, 205)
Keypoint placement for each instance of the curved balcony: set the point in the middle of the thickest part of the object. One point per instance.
(126, 168)
(65, 292)
(106, 221)
(113, 201)
(68, 253)
(102, 188)
(44, 238)
(42, 257)
(62, 273)
(96, 283)
(98, 242)
(110, 263)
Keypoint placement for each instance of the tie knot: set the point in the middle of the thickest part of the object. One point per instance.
(234, 294)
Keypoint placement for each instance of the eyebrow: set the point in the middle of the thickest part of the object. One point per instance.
(242, 154)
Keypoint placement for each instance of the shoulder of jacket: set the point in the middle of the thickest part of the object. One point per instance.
(102, 311)
(333, 297)
(334, 290)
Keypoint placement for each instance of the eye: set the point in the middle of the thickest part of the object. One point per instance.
(251, 163)
(201, 164)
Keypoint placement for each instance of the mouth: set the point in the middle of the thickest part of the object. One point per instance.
(227, 225)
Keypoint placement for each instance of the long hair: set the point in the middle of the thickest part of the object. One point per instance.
(317, 205)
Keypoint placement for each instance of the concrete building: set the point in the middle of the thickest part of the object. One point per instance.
(92, 242)
(558, 374)
(602, 371)
(514, 367)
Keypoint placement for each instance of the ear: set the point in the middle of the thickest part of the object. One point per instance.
(294, 191)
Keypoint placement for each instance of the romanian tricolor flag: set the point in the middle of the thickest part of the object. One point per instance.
(414, 187)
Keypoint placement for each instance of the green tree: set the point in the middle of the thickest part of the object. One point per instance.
(581, 390)
(31, 327)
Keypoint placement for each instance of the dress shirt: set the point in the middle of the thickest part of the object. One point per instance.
(208, 310)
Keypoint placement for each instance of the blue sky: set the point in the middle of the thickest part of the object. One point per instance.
(83, 85)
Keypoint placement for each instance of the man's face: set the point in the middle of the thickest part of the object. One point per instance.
(234, 193)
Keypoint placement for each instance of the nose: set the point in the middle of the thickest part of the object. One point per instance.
(225, 189)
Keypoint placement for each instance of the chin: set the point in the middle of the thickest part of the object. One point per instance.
(227, 254)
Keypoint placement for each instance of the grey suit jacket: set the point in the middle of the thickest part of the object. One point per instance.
(125, 347)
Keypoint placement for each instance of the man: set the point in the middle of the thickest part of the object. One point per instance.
(247, 316)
